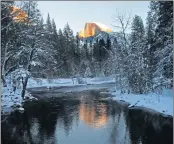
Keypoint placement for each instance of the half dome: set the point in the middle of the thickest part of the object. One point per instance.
(93, 28)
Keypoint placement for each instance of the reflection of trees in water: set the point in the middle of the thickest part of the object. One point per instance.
(67, 118)
(22, 129)
(8, 132)
(13, 129)
(142, 128)
(119, 132)
(127, 135)
(45, 116)
(135, 130)
(67, 114)
(116, 113)
(51, 112)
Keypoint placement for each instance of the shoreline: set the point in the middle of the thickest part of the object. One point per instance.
(149, 101)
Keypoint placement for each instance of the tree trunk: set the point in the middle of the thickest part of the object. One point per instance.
(115, 83)
(26, 79)
(3, 80)
(24, 87)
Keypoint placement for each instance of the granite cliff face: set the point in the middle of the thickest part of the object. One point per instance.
(92, 29)
(18, 14)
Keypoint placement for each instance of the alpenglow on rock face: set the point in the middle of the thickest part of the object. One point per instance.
(92, 29)
(18, 15)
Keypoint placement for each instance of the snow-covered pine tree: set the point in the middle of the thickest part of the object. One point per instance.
(77, 56)
(100, 55)
(164, 44)
(69, 46)
(137, 78)
(85, 51)
(49, 26)
(108, 43)
(88, 72)
(61, 51)
(149, 54)
(55, 43)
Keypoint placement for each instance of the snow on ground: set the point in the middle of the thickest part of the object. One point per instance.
(162, 103)
(32, 83)
(66, 81)
(11, 100)
(99, 80)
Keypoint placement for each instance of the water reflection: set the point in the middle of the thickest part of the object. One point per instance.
(93, 114)
(149, 128)
(81, 120)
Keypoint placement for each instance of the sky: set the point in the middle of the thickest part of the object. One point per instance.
(77, 13)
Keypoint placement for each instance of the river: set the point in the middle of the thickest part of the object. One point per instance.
(67, 116)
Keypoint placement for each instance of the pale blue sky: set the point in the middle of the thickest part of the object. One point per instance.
(77, 13)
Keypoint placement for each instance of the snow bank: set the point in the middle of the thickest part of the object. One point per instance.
(100, 80)
(162, 103)
(48, 82)
(11, 100)
(32, 83)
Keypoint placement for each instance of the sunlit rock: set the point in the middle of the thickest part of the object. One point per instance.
(18, 15)
(92, 29)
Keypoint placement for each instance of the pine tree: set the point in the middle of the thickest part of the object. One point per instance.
(95, 56)
(150, 60)
(137, 79)
(69, 46)
(55, 34)
(55, 47)
(77, 40)
(108, 44)
(164, 44)
(61, 42)
(49, 26)
(77, 58)
(62, 54)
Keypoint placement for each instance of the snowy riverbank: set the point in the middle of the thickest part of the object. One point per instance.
(67, 82)
(162, 103)
(12, 100)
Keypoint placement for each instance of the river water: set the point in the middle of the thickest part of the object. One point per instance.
(84, 117)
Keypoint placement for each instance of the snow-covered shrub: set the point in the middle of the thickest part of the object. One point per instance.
(11, 95)
(88, 72)
(18, 75)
